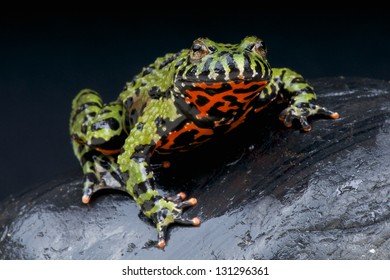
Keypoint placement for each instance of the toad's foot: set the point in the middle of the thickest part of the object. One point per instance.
(302, 112)
(169, 212)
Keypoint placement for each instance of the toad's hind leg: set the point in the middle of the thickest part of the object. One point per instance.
(97, 134)
(100, 172)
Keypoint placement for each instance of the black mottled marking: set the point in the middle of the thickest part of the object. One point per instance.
(141, 153)
(140, 189)
(147, 70)
(140, 126)
(80, 148)
(105, 110)
(148, 205)
(129, 102)
(269, 93)
(180, 88)
(91, 177)
(97, 142)
(140, 148)
(90, 156)
(84, 129)
(230, 98)
(180, 73)
(191, 73)
(158, 218)
(76, 138)
(87, 157)
(248, 72)
(252, 88)
(298, 80)
(168, 60)
(109, 123)
(206, 67)
(249, 47)
(212, 49)
(258, 67)
(202, 100)
(308, 89)
(233, 103)
(159, 121)
(142, 108)
(214, 91)
(232, 66)
(131, 118)
(283, 74)
(104, 162)
(272, 88)
(118, 178)
(222, 53)
(179, 62)
(137, 92)
(218, 68)
(166, 94)
(154, 92)
(84, 107)
(114, 143)
(164, 126)
(213, 111)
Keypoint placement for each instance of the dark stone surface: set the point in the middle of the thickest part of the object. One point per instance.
(264, 192)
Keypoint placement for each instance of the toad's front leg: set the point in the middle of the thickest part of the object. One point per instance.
(299, 94)
(135, 161)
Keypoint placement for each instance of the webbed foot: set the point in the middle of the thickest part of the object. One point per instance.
(170, 211)
(302, 111)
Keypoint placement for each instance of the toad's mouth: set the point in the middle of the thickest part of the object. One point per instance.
(236, 79)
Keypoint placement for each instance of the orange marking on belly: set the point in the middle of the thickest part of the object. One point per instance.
(108, 152)
(264, 106)
(239, 121)
(226, 105)
(169, 145)
(243, 117)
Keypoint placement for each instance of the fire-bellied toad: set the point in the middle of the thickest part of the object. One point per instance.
(176, 103)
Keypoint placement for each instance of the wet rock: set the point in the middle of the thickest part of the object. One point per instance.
(264, 192)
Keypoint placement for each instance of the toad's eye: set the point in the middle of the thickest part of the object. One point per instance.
(196, 47)
(198, 50)
(259, 48)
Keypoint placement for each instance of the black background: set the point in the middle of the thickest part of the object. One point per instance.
(47, 59)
